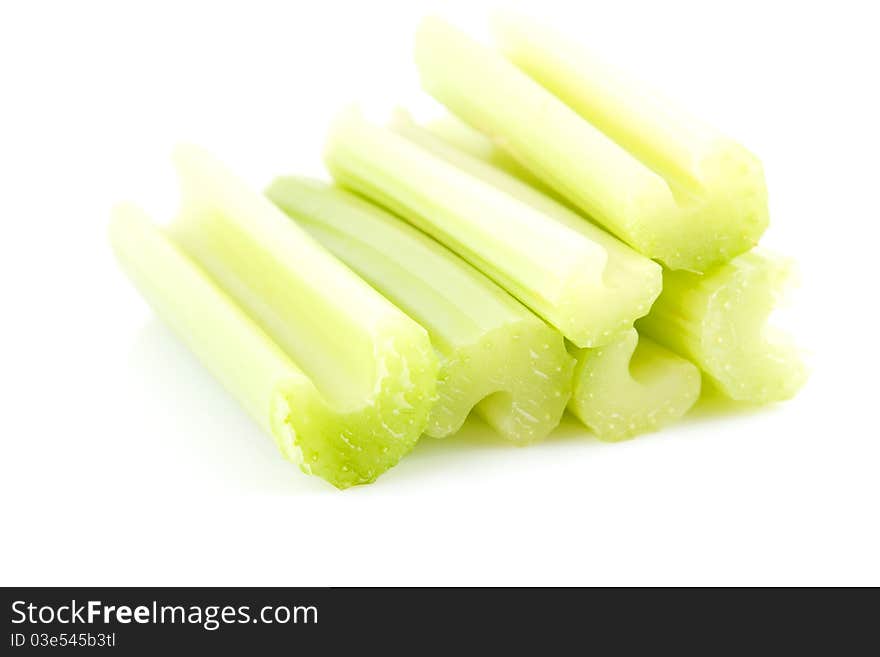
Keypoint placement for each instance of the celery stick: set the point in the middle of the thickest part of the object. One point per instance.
(719, 321)
(630, 279)
(494, 353)
(673, 190)
(631, 386)
(342, 379)
(785, 376)
(627, 387)
(562, 273)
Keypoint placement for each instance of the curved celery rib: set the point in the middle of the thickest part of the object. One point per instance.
(674, 190)
(630, 280)
(341, 378)
(631, 386)
(719, 321)
(555, 270)
(494, 353)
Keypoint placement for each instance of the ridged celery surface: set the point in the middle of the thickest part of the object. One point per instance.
(564, 273)
(627, 387)
(673, 189)
(494, 353)
(719, 321)
(630, 280)
(459, 134)
(631, 386)
(341, 378)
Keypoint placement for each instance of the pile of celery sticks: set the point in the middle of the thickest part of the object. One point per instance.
(561, 240)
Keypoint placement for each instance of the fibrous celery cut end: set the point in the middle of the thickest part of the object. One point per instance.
(724, 219)
(631, 386)
(232, 276)
(494, 354)
(355, 447)
(517, 378)
(719, 320)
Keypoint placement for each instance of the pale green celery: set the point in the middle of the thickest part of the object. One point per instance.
(627, 387)
(631, 386)
(719, 321)
(341, 378)
(494, 354)
(671, 188)
(562, 272)
(457, 133)
(631, 280)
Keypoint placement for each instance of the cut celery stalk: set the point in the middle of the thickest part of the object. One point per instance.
(719, 321)
(555, 269)
(631, 280)
(494, 353)
(628, 387)
(673, 190)
(631, 386)
(341, 378)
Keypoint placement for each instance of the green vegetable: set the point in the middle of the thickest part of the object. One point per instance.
(494, 353)
(631, 386)
(719, 321)
(341, 378)
(571, 274)
(630, 279)
(750, 286)
(668, 186)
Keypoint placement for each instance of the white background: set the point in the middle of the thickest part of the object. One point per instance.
(125, 463)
